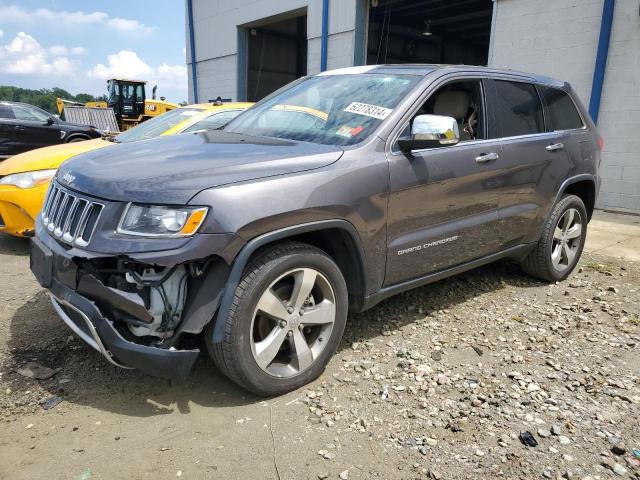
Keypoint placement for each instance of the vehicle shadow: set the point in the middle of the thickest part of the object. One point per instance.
(85, 378)
(10, 245)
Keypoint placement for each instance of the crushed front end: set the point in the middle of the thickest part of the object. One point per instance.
(141, 303)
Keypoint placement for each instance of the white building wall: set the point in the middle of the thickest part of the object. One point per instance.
(217, 78)
(559, 38)
(619, 120)
(216, 38)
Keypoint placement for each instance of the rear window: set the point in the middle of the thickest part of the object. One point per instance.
(562, 112)
(157, 126)
(520, 109)
(214, 121)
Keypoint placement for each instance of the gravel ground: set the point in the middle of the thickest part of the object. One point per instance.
(440, 382)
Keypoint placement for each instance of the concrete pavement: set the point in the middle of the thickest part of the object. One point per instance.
(614, 234)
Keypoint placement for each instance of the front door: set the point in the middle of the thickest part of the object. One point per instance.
(33, 128)
(443, 202)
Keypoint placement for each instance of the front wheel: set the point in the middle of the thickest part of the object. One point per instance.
(285, 322)
(560, 246)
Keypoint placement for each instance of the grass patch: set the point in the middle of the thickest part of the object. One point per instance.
(600, 267)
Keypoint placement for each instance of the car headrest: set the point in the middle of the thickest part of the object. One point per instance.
(452, 103)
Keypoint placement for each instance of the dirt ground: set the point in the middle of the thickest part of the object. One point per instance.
(436, 383)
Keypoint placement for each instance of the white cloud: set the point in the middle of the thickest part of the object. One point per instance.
(171, 76)
(25, 56)
(58, 50)
(61, 50)
(61, 19)
(62, 64)
(127, 64)
(129, 26)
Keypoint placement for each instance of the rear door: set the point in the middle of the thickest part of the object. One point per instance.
(534, 159)
(443, 203)
(33, 128)
(563, 117)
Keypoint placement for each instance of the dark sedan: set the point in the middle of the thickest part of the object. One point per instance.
(24, 127)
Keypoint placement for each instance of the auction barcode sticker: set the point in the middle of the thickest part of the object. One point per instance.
(368, 110)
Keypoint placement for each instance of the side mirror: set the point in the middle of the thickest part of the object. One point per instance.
(49, 121)
(430, 131)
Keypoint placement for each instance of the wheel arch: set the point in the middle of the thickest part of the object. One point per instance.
(75, 135)
(583, 186)
(339, 239)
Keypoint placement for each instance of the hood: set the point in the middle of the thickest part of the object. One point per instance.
(171, 170)
(48, 157)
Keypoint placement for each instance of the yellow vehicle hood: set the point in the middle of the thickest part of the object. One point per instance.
(48, 157)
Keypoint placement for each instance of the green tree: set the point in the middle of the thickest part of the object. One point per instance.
(44, 98)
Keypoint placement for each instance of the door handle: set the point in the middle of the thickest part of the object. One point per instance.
(19, 127)
(555, 147)
(487, 157)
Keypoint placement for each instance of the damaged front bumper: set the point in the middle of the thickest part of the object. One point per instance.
(84, 318)
(87, 306)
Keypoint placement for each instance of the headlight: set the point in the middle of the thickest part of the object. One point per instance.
(102, 133)
(28, 179)
(160, 221)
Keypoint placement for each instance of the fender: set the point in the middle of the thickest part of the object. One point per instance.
(242, 258)
(578, 178)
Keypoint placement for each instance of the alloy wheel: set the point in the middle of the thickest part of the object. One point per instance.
(292, 322)
(567, 238)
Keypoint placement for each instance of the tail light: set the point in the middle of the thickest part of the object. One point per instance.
(601, 143)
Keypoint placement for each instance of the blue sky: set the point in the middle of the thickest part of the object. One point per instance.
(77, 45)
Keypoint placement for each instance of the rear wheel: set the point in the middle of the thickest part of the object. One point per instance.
(559, 249)
(285, 322)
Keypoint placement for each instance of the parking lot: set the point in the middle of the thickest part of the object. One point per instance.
(435, 383)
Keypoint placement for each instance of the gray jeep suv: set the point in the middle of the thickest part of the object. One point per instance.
(330, 195)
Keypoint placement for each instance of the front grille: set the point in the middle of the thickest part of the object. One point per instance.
(68, 217)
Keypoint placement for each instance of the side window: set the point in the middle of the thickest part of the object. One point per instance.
(520, 109)
(461, 100)
(27, 114)
(5, 112)
(561, 110)
(213, 122)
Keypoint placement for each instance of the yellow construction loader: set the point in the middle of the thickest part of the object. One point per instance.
(126, 107)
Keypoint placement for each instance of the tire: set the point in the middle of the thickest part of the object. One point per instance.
(77, 139)
(280, 271)
(540, 262)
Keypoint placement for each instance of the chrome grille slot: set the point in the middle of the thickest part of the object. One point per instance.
(70, 218)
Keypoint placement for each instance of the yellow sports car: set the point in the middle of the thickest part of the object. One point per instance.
(24, 178)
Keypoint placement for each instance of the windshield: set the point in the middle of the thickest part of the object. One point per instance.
(329, 109)
(157, 126)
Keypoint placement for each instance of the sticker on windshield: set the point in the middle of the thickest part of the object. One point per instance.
(367, 110)
(348, 132)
